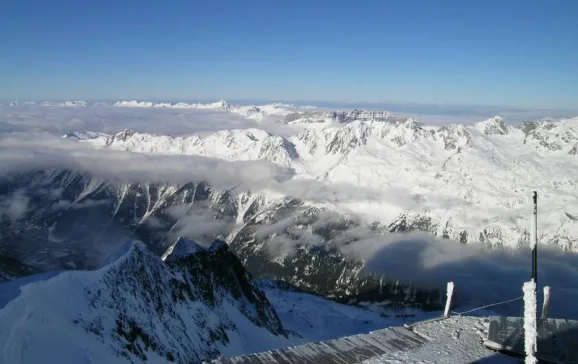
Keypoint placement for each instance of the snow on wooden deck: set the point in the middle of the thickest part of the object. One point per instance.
(345, 350)
(454, 340)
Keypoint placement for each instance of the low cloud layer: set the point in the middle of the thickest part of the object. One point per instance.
(30, 142)
(14, 206)
(482, 275)
(198, 223)
(110, 119)
(20, 152)
(26, 152)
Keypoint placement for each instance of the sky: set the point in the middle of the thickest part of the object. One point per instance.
(514, 53)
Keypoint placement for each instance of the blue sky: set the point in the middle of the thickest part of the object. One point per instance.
(508, 52)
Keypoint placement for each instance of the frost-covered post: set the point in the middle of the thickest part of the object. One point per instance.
(546, 304)
(534, 239)
(449, 293)
(530, 325)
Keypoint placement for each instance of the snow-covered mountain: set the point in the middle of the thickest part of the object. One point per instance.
(196, 305)
(554, 136)
(493, 126)
(339, 116)
(73, 104)
(249, 111)
(75, 219)
(67, 103)
(486, 170)
(350, 180)
(193, 304)
(234, 145)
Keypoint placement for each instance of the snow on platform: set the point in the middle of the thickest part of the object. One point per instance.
(557, 338)
(452, 340)
(345, 350)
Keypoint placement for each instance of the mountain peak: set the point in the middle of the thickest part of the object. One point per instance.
(493, 126)
(138, 308)
(342, 117)
(410, 123)
(185, 247)
(218, 244)
(181, 248)
(74, 103)
(122, 136)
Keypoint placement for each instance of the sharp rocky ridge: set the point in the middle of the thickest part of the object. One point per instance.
(198, 304)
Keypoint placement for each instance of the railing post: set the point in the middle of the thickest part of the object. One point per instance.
(530, 324)
(449, 294)
(534, 238)
(546, 304)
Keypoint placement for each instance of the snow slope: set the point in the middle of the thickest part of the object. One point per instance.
(198, 304)
(318, 319)
(138, 308)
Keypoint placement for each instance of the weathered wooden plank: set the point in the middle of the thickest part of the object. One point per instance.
(332, 354)
(383, 347)
(278, 357)
(388, 337)
(345, 350)
(342, 349)
(320, 354)
(304, 353)
(360, 352)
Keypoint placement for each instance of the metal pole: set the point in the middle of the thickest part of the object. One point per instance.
(534, 238)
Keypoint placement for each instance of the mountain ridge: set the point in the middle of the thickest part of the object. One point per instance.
(373, 154)
(137, 308)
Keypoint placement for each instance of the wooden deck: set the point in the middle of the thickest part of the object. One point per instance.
(345, 350)
(557, 338)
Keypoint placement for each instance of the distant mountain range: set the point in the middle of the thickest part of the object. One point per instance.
(374, 172)
(486, 170)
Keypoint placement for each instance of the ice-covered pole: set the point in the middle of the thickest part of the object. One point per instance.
(449, 294)
(530, 326)
(534, 239)
(546, 304)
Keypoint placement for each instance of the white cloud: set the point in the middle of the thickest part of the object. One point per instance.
(109, 119)
(198, 223)
(14, 206)
(24, 152)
